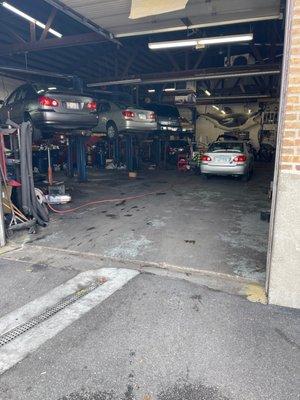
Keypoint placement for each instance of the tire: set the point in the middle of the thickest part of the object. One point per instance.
(111, 131)
(36, 133)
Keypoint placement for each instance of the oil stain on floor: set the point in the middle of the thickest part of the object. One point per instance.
(189, 391)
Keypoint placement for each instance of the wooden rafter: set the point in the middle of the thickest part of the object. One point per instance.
(49, 23)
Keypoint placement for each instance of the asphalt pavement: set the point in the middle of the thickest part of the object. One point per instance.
(159, 338)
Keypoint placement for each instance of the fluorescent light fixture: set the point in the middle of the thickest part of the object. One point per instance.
(52, 88)
(223, 112)
(40, 91)
(216, 107)
(201, 41)
(151, 90)
(249, 111)
(170, 89)
(207, 92)
(29, 18)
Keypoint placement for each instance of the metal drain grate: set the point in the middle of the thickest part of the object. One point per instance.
(72, 298)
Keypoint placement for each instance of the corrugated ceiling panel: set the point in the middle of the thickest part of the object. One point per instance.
(113, 14)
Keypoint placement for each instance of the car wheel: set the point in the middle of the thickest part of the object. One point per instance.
(36, 133)
(111, 131)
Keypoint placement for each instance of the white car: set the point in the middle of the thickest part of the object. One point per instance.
(228, 158)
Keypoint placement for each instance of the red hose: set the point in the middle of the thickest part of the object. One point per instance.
(99, 202)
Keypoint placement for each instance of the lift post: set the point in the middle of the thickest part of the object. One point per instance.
(70, 151)
(81, 158)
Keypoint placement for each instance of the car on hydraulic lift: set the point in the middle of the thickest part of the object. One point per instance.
(228, 158)
(168, 118)
(120, 118)
(50, 108)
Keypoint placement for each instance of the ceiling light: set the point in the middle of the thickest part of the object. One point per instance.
(29, 18)
(52, 88)
(201, 41)
(151, 90)
(249, 111)
(216, 108)
(170, 89)
(223, 112)
(207, 92)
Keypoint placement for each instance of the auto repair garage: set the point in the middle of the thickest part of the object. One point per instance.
(155, 135)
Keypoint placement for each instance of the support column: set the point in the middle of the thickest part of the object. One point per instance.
(283, 267)
(81, 159)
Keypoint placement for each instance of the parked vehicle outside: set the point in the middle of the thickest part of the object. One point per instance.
(50, 108)
(117, 117)
(168, 118)
(228, 158)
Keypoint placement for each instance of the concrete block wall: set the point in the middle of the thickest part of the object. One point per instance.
(284, 249)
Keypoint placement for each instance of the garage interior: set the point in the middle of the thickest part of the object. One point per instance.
(132, 201)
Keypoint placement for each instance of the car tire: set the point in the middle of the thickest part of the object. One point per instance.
(36, 133)
(111, 131)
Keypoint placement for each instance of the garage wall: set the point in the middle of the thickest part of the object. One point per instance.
(207, 132)
(7, 85)
(284, 249)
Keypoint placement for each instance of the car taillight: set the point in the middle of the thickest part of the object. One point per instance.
(240, 159)
(127, 114)
(152, 116)
(92, 105)
(205, 158)
(48, 101)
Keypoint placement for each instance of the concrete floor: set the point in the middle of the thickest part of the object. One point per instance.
(189, 222)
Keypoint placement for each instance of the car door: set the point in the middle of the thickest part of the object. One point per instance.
(104, 115)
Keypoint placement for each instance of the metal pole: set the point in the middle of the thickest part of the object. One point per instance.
(2, 226)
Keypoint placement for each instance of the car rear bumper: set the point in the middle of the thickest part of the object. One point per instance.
(137, 126)
(64, 121)
(223, 170)
(169, 128)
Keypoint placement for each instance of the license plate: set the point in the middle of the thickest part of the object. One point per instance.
(223, 159)
(72, 105)
(142, 116)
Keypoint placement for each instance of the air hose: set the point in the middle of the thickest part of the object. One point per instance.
(91, 203)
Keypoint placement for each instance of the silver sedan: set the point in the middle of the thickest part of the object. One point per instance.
(228, 158)
(116, 117)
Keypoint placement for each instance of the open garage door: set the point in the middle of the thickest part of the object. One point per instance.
(113, 16)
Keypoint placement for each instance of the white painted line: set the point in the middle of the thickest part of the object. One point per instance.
(19, 348)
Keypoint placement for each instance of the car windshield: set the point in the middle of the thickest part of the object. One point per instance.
(43, 88)
(123, 106)
(226, 146)
(163, 110)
